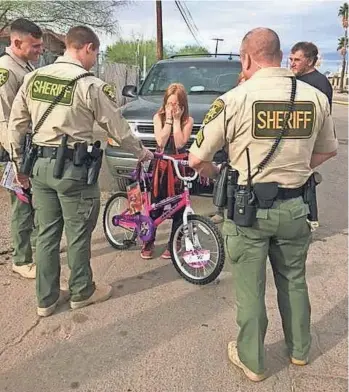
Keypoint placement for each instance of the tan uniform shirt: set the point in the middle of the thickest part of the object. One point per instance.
(251, 115)
(12, 72)
(90, 99)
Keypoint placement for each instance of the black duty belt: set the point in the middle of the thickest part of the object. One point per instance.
(51, 152)
(285, 193)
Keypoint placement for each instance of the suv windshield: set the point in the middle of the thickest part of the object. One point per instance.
(197, 77)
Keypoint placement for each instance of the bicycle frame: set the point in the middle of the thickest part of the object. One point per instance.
(144, 225)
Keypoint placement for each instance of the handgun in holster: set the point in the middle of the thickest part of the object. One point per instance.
(220, 187)
(29, 155)
(309, 197)
(95, 164)
(60, 158)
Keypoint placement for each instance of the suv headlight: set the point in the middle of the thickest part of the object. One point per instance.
(133, 128)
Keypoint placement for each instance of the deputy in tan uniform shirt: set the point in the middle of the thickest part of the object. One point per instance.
(15, 63)
(68, 199)
(12, 71)
(251, 116)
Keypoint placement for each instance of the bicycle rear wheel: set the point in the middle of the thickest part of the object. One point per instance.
(119, 237)
(202, 265)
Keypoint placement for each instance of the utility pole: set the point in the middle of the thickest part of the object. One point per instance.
(159, 38)
(217, 39)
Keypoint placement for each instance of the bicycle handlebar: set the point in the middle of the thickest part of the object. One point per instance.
(177, 162)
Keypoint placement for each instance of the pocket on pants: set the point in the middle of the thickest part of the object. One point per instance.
(299, 217)
(89, 205)
(233, 241)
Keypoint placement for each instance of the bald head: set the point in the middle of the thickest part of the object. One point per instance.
(263, 45)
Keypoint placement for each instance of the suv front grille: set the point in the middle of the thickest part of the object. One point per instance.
(149, 128)
(146, 133)
(149, 144)
(143, 128)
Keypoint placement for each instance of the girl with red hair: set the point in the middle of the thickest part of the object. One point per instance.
(172, 129)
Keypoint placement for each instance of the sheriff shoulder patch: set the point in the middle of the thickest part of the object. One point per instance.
(4, 74)
(200, 137)
(109, 91)
(216, 108)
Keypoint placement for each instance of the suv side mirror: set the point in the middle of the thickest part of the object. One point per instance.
(129, 91)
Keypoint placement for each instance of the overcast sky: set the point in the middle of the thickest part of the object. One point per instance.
(293, 20)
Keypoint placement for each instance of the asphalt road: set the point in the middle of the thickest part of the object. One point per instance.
(159, 333)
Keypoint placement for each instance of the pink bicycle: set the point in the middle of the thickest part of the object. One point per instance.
(196, 245)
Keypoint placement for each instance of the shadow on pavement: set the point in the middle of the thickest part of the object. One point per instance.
(334, 324)
(145, 281)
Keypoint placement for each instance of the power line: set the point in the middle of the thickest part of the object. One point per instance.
(193, 23)
(190, 16)
(179, 6)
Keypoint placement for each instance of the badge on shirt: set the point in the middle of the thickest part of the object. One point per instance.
(4, 74)
(215, 109)
(109, 91)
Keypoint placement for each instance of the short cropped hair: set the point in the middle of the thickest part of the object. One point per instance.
(79, 36)
(26, 27)
(308, 48)
(262, 43)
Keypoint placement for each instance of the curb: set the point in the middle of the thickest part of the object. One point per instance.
(341, 102)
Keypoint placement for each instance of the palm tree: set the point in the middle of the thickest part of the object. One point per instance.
(343, 42)
(342, 46)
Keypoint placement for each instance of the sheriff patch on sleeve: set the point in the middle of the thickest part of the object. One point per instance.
(216, 108)
(200, 137)
(3, 76)
(268, 120)
(109, 92)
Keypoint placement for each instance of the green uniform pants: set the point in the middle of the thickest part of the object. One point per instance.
(283, 234)
(23, 231)
(71, 203)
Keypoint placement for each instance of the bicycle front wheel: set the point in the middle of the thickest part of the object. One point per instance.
(203, 264)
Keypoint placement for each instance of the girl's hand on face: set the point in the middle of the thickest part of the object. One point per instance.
(169, 112)
(178, 113)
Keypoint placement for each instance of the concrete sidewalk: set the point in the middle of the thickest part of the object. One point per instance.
(340, 98)
(161, 334)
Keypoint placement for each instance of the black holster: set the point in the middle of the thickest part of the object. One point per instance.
(220, 187)
(232, 185)
(60, 158)
(309, 195)
(80, 156)
(29, 156)
(95, 163)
